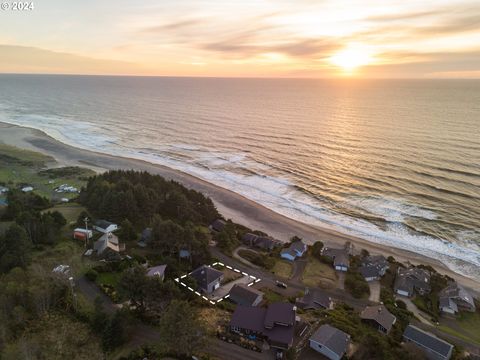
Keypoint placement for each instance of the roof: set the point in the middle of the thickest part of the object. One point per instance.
(244, 295)
(428, 340)
(253, 318)
(332, 338)
(408, 279)
(341, 259)
(146, 235)
(156, 271)
(104, 224)
(266, 242)
(380, 314)
(298, 246)
(280, 313)
(218, 224)
(369, 271)
(314, 299)
(205, 275)
(455, 291)
(290, 252)
(249, 238)
(376, 260)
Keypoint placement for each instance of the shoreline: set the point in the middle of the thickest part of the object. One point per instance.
(230, 204)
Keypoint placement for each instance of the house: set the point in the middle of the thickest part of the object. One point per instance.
(108, 241)
(434, 347)
(262, 242)
(242, 294)
(105, 227)
(340, 257)
(3, 189)
(156, 271)
(276, 324)
(296, 249)
(249, 239)
(330, 342)
(82, 234)
(315, 299)
(145, 238)
(218, 225)
(455, 298)
(208, 279)
(27, 189)
(62, 270)
(379, 317)
(411, 280)
(374, 267)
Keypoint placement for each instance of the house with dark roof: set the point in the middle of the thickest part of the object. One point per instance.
(411, 280)
(249, 239)
(218, 225)
(433, 347)
(296, 249)
(314, 299)
(262, 242)
(330, 342)
(374, 267)
(242, 294)
(340, 257)
(105, 227)
(158, 271)
(455, 298)
(145, 238)
(208, 279)
(275, 324)
(379, 317)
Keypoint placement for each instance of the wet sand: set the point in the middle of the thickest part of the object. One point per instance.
(230, 204)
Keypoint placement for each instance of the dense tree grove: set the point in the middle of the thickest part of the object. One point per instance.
(139, 196)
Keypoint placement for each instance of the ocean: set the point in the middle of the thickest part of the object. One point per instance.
(396, 162)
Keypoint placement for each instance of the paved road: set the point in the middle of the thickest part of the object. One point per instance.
(226, 351)
(91, 291)
(374, 291)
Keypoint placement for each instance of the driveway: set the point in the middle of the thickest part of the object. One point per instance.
(420, 315)
(225, 350)
(341, 280)
(298, 269)
(374, 291)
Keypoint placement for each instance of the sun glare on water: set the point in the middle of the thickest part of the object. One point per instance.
(351, 58)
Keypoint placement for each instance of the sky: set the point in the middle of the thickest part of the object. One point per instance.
(263, 38)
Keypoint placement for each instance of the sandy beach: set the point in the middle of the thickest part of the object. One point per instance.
(230, 204)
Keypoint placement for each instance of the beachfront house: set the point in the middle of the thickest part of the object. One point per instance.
(156, 271)
(242, 294)
(262, 242)
(411, 280)
(208, 279)
(218, 225)
(295, 250)
(275, 324)
(314, 299)
(455, 298)
(330, 342)
(340, 257)
(379, 317)
(105, 227)
(374, 267)
(433, 347)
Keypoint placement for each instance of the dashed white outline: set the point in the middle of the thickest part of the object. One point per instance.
(254, 281)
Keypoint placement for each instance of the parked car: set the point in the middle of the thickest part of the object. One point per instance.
(281, 284)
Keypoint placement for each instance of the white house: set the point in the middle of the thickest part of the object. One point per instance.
(105, 227)
(330, 342)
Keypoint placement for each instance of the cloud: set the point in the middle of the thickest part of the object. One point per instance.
(23, 59)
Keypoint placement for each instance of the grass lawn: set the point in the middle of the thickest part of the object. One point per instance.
(108, 278)
(466, 326)
(70, 211)
(319, 274)
(248, 255)
(229, 275)
(271, 296)
(283, 269)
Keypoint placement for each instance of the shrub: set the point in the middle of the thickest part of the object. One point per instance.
(91, 275)
(356, 284)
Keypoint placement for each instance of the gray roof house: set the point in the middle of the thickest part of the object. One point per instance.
(218, 225)
(314, 299)
(208, 279)
(433, 347)
(412, 280)
(296, 249)
(330, 342)
(379, 317)
(340, 257)
(261, 242)
(242, 294)
(276, 324)
(374, 267)
(145, 238)
(108, 241)
(455, 298)
(105, 227)
(156, 271)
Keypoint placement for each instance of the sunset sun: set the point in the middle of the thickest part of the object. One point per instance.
(351, 58)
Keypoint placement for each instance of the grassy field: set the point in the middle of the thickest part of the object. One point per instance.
(108, 278)
(20, 167)
(319, 274)
(466, 326)
(70, 211)
(283, 269)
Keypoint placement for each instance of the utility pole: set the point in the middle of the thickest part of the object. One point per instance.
(86, 228)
